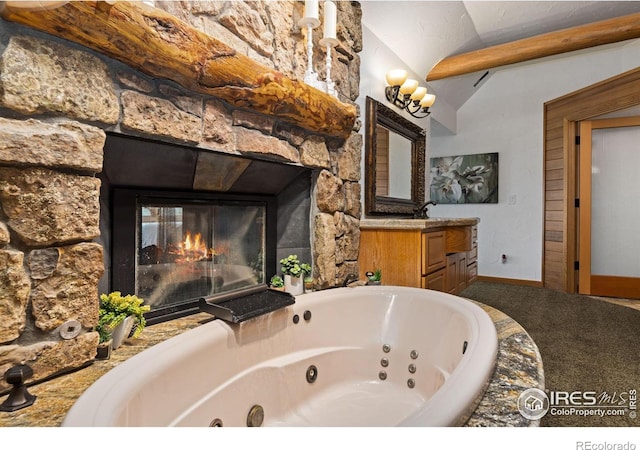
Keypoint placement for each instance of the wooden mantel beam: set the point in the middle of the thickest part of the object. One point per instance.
(562, 41)
(162, 46)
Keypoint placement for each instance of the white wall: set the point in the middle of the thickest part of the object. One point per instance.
(376, 59)
(504, 116)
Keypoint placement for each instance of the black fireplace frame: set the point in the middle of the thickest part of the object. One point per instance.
(124, 207)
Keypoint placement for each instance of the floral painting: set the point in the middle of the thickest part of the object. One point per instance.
(465, 179)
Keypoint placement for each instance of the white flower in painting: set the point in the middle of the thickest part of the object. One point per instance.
(472, 179)
(446, 189)
(448, 166)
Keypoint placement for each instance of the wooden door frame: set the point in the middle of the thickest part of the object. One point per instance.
(561, 116)
(584, 245)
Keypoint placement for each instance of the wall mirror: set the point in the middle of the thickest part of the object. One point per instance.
(394, 162)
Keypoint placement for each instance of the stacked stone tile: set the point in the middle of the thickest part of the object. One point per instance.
(57, 99)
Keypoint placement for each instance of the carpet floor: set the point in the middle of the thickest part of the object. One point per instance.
(586, 344)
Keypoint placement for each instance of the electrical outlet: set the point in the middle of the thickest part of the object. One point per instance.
(503, 258)
(512, 199)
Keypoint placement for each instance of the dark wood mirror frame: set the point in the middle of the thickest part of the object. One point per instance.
(379, 114)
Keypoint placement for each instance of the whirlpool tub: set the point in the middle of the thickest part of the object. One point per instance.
(363, 356)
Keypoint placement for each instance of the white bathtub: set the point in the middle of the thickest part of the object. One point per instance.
(217, 372)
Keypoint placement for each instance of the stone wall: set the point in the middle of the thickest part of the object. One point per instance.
(57, 99)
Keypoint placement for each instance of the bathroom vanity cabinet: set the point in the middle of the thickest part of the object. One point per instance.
(439, 254)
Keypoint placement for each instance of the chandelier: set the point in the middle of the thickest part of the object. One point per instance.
(406, 94)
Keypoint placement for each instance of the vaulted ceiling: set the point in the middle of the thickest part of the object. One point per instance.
(422, 33)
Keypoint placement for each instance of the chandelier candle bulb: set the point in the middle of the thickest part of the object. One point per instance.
(408, 87)
(396, 77)
(419, 93)
(427, 101)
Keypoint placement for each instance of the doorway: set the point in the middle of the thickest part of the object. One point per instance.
(608, 243)
(561, 115)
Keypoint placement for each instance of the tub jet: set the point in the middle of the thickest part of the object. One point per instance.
(216, 423)
(255, 416)
(312, 374)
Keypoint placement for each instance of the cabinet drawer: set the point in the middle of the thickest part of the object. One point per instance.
(458, 239)
(433, 251)
(435, 280)
(472, 272)
(472, 255)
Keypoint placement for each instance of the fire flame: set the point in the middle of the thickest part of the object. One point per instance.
(194, 248)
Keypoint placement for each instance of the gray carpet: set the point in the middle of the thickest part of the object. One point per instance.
(585, 344)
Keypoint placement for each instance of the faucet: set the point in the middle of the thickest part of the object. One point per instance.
(423, 211)
(350, 279)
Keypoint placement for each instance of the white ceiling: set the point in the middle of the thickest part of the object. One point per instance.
(421, 33)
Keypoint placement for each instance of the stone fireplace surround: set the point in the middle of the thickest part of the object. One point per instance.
(61, 104)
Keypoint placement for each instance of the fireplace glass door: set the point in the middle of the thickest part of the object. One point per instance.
(197, 250)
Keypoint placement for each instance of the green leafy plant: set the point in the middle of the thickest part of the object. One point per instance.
(114, 308)
(308, 279)
(375, 276)
(292, 266)
(276, 281)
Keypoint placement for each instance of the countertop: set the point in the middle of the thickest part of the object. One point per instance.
(518, 368)
(392, 223)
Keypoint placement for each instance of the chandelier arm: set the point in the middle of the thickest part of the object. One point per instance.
(403, 101)
(420, 113)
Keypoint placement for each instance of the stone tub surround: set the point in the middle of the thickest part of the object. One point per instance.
(518, 368)
(59, 102)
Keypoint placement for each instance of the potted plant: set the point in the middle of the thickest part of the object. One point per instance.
(276, 283)
(119, 316)
(308, 283)
(374, 277)
(294, 271)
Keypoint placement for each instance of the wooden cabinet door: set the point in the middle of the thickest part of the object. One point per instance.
(451, 274)
(397, 253)
(462, 272)
(433, 251)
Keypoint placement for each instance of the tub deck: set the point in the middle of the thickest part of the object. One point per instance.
(518, 368)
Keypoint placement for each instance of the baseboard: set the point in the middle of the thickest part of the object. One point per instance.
(515, 281)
